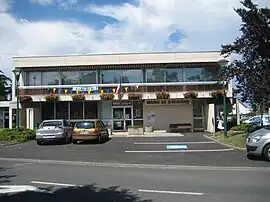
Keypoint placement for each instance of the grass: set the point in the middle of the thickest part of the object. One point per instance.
(12, 136)
(235, 140)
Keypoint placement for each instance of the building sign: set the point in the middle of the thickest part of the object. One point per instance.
(121, 103)
(85, 89)
(167, 102)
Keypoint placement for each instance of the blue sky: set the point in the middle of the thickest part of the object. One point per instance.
(57, 27)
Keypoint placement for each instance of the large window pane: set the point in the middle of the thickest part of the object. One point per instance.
(69, 78)
(47, 111)
(198, 108)
(50, 78)
(33, 79)
(132, 76)
(62, 110)
(105, 110)
(90, 110)
(110, 76)
(88, 77)
(201, 74)
(76, 110)
(137, 110)
(155, 75)
(174, 74)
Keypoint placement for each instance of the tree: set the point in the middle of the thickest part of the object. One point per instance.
(5, 86)
(252, 69)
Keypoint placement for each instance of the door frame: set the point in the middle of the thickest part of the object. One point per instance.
(123, 119)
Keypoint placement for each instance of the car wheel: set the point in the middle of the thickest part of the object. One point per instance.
(266, 152)
(74, 141)
(99, 139)
(39, 142)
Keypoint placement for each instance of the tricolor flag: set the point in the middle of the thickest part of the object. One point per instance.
(119, 87)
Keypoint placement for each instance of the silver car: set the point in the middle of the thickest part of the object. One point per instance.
(258, 143)
(54, 130)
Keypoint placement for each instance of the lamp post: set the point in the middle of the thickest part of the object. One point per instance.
(223, 63)
(17, 73)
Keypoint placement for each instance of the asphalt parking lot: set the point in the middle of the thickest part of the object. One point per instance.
(190, 149)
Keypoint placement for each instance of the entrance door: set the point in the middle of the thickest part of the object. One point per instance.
(122, 118)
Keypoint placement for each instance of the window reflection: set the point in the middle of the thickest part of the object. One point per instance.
(132, 76)
(50, 78)
(81, 77)
(155, 75)
(201, 74)
(174, 74)
(33, 79)
(110, 76)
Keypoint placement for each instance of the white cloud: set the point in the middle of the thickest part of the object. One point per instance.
(146, 27)
(42, 2)
(65, 4)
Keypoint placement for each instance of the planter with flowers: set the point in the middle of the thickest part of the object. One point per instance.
(163, 95)
(218, 95)
(52, 98)
(25, 99)
(134, 96)
(190, 95)
(78, 97)
(107, 96)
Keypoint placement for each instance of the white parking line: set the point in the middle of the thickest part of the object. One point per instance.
(55, 183)
(19, 188)
(167, 143)
(181, 151)
(170, 192)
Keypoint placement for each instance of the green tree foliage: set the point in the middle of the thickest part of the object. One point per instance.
(5, 86)
(252, 69)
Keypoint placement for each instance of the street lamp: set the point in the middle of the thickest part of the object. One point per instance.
(223, 63)
(17, 73)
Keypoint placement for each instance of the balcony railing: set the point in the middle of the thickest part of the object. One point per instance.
(125, 87)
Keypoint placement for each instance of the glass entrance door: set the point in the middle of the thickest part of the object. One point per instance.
(122, 118)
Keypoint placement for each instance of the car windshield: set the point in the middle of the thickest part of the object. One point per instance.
(85, 124)
(51, 123)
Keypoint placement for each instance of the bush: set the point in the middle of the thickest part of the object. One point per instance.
(246, 128)
(14, 136)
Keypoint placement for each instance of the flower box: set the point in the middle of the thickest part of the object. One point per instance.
(78, 97)
(218, 95)
(52, 98)
(107, 96)
(25, 99)
(190, 95)
(163, 95)
(134, 96)
(135, 130)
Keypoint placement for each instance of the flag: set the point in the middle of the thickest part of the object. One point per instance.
(118, 90)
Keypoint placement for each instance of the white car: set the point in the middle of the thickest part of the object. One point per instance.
(257, 119)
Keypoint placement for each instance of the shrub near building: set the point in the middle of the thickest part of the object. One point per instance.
(8, 136)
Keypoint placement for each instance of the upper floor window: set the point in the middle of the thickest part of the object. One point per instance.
(155, 75)
(174, 75)
(126, 76)
(50, 78)
(78, 77)
(201, 74)
(33, 79)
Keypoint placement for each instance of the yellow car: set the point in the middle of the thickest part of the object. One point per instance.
(90, 130)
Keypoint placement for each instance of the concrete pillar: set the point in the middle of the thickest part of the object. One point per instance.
(10, 116)
(237, 112)
(211, 121)
(30, 118)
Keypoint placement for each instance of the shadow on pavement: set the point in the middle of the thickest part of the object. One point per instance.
(81, 194)
(255, 158)
(5, 178)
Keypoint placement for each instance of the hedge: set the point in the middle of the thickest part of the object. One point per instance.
(246, 128)
(14, 136)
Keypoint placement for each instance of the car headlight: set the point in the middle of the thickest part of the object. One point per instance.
(256, 139)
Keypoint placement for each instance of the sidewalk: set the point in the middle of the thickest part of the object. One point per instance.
(146, 134)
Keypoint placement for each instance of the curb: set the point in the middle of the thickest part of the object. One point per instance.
(9, 144)
(115, 136)
(224, 144)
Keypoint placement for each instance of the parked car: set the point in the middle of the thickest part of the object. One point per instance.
(54, 130)
(258, 143)
(256, 120)
(90, 130)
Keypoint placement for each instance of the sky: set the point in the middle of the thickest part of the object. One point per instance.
(59, 27)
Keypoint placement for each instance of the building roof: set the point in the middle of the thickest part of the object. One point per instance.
(118, 59)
